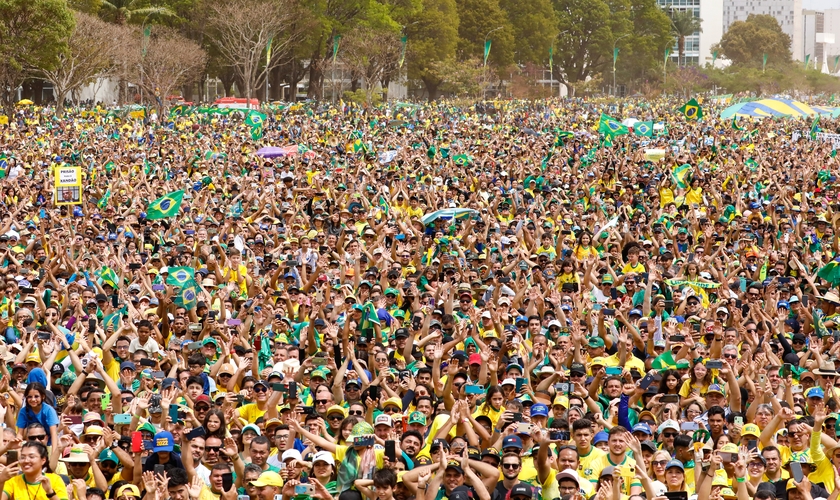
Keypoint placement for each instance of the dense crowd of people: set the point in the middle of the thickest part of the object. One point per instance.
(431, 301)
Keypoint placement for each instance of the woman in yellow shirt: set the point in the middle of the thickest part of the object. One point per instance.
(28, 481)
(694, 193)
(700, 378)
(492, 406)
(666, 193)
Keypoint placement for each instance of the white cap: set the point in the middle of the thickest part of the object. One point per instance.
(383, 419)
(509, 381)
(324, 456)
(291, 454)
(554, 322)
(486, 314)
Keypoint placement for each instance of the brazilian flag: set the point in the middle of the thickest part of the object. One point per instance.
(188, 295)
(561, 136)
(109, 166)
(255, 119)
(644, 129)
(611, 127)
(735, 123)
(178, 276)
(103, 202)
(462, 160)
(167, 206)
(680, 175)
(108, 276)
(815, 127)
(830, 272)
(256, 133)
(692, 110)
(113, 319)
(178, 110)
(369, 318)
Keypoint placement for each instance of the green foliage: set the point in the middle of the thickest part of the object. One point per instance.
(463, 78)
(477, 18)
(586, 46)
(361, 97)
(683, 24)
(432, 37)
(534, 29)
(642, 53)
(33, 33)
(136, 11)
(746, 41)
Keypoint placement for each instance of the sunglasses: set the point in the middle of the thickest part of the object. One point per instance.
(510, 466)
(260, 388)
(38, 438)
(356, 413)
(321, 401)
(214, 449)
(335, 417)
(669, 434)
(660, 463)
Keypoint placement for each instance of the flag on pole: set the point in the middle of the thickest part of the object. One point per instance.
(836, 63)
(815, 127)
(714, 57)
(268, 52)
(611, 127)
(807, 59)
(615, 55)
(404, 41)
(667, 53)
(692, 110)
(551, 59)
(336, 41)
(167, 206)
(487, 44)
(764, 63)
(147, 32)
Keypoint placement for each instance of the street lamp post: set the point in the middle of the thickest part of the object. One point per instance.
(614, 58)
(485, 60)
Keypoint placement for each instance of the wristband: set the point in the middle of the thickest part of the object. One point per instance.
(740, 479)
(50, 495)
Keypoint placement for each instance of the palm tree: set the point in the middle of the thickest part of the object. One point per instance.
(683, 23)
(126, 10)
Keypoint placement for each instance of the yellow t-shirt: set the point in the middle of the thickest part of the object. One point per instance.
(639, 268)
(685, 389)
(666, 196)
(694, 195)
(207, 494)
(341, 451)
(587, 465)
(251, 412)
(18, 489)
(233, 276)
(630, 363)
(551, 488)
(605, 462)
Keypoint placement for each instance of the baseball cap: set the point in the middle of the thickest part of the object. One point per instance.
(644, 428)
(416, 417)
(268, 478)
(164, 441)
(539, 410)
(512, 441)
(475, 358)
(383, 419)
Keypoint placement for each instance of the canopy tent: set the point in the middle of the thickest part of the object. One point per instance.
(768, 107)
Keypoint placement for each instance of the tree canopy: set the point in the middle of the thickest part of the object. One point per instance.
(746, 42)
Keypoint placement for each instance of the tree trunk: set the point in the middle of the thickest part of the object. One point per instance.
(316, 77)
(431, 88)
(681, 50)
(59, 102)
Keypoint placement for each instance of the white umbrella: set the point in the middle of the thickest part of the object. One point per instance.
(629, 122)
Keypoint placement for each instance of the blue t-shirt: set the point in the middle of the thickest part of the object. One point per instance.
(46, 417)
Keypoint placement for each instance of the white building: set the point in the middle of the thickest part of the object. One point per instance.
(698, 47)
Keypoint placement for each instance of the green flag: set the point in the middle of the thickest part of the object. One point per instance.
(487, 44)
(113, 319)
(369, 318)
(611, 127)
(764, 62)
(109, 166)
(692, 110)
(167, 206)
(714, 57)
(404, 42)
(735, 124)
(615, 55)
(815, 127)
(256, 133)
(807, 60)
(836, 64)
(336, 41)
(643, 128)
(551, 59)
(268, 52)
(667, 53)
(179, 276)
(680, 174)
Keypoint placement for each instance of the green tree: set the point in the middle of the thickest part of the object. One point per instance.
(642, 53)
(534, 29)
(126, 11)
(683, 23)
(432, 38)
(33, 33)
(477, 18)
(584, 46)
(745, 42)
